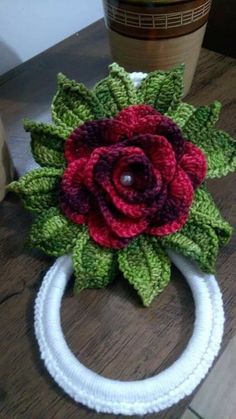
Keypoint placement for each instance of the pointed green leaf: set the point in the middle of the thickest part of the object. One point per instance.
(116, 92)
(220, 150)
(196, 241)
(162, 89)
(218, 146)
(146, 266)
(94, 266)
(74, 104)
(38, 189)
(200, 121)
(181, 114)
(206, 238)
(205, 211)
(182, 244)
(53, 233)
(47, 143)
(203, 234)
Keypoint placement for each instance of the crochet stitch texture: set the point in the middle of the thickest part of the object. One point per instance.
(164, 146)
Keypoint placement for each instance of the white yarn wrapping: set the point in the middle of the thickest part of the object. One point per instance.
(132, 397)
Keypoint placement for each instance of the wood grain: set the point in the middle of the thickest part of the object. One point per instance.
(107, 329)
(216, 397)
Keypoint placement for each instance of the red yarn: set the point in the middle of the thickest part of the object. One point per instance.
(163, 167)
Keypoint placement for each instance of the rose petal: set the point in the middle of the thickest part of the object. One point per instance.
(176, 208)
(194, 164)
(132, 195)
(108, 156)
(84, 139)
(132, 115)
(102, 234)
(121, 225)
(159, 151)
(168, 129)
(74, 198)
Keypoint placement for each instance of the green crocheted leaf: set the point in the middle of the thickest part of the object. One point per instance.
(47, 143)
(196, 241)
(53, 233)
(38, 189)
(116, 92)
(182, 244)
(181, 114)
(206, 239)
(220, 149)
(218, 146)
(162, 90)
(146, 266)
(200, 121)
(203, 234)
(94, 265)
(74, 104)
(205, 211)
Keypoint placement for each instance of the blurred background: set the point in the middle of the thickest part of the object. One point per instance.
(28, 27)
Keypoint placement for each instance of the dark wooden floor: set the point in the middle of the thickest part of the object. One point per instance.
(108, 329)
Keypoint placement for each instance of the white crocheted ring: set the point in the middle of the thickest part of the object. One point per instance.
(133, 397)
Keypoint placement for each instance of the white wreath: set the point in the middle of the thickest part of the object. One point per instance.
(131, 397)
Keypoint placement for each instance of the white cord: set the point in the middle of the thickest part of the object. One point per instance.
(131, 397)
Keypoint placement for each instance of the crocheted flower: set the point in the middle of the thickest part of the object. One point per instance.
(121, 179)
(128, 175)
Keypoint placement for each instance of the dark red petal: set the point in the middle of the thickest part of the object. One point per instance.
(84, 139)
(132, 114)
(176, 208)
(146, 195)
(128, 209)
(159, 151)
(168, 129)
(102, 234)
(108, 155)
(193, 162)
(121, 225)
(74, 198)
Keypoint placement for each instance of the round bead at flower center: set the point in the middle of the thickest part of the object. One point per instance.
(127, 179)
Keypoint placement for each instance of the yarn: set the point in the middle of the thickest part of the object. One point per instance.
(124, 125)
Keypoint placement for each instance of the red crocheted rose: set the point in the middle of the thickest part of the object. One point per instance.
(128, 175)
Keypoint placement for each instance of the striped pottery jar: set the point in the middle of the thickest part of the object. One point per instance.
(146, 35)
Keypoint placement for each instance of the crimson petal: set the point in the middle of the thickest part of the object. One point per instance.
(194, 164)
(102, 234)
(74, 197)
(102, 132)
(176, 208)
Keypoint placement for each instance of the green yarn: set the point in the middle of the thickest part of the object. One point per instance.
(198, 242)
(203, 234)
(74, 104)
(146, 266)
(53, 233)
(201, 120)
(144, 262)
(47, 143)
(205, 211)
(116, 92)
(162, 90)
(220, 150)
(218, 146)
(38, 189)
(181, 114)
(94, 266)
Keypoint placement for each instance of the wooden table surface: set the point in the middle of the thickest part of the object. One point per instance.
(107, 329)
